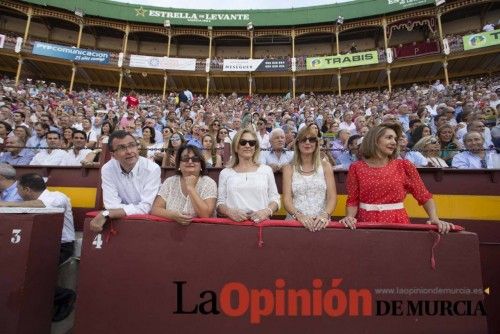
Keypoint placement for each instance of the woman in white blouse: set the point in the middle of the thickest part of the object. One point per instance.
(247, 189)
(188, 194)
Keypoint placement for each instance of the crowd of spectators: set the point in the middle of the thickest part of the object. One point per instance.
(42, 123)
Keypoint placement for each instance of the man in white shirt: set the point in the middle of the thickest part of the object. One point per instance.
(33, 190)
(130, 183)
(347, 123)
(262, 134)
(432, 107)
(54, 155)
(78, 152)
(278, 156)
(38, 139)
(90, 134)
(476, 157)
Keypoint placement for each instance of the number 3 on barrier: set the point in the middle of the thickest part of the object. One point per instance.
(97, 241)
(16, 236)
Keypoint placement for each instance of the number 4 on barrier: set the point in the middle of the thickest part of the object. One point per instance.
(16, 236)
(97, 241)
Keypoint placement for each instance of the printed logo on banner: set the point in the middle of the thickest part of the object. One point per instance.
(241, 65)
(341, 61)
(316, 63)
(154, 62)
(236, 299)
(71, 53)
(481, 40)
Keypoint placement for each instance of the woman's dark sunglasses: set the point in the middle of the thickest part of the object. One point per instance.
(310, 139)
(244, 142)
(194, 159)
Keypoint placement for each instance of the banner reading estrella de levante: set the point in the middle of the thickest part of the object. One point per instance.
(340, 61)
(481, 40)
(71, 53)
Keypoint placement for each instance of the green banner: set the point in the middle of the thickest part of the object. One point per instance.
(482, 40)
(340, 61)
(326, 14)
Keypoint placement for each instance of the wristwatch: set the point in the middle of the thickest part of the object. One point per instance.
(105, 214)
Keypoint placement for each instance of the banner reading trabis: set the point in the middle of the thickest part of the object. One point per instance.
(481, 40)
(340, 61)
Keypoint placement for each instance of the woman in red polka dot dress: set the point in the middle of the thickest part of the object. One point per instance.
(378, 184)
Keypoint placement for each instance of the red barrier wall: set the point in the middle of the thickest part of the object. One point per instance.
(29, 256)
(127, 285)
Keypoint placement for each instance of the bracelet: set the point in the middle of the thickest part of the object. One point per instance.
(271, 211)
(326, 214)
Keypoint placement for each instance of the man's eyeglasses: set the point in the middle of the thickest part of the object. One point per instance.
(123, 148)
(203, 130)
(216, 124)
(310, 139)
(223, 132)
(244, 142)
(193, 159)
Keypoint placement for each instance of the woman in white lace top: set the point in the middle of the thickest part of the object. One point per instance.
(188, 194)
(309, 193)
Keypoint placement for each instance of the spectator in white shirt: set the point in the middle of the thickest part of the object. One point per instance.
(262, 134)
(489, 27)
(476, 157)
(432, 107)
(479, 126)
(33, 190)
(38, 139)
(77, 153)
(90, 134)
(278, 156)
(129, 182)
(53, 155)
(347, 123)
(415, 157)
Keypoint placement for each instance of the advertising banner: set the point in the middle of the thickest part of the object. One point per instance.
(241, 65)
(2, 40)
(481, 40)
(255, 282)
(152, 12)
(273, 65)
(255, 65)
(340, 61)
(71, 53)
(163, 63)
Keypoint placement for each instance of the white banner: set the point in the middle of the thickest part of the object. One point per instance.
(241, 65)
(163, 63)
(146, 62)
(180, 64)
(2, 40)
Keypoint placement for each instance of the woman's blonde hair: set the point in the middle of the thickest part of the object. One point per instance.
(235, 160)
(369, 147)
(306, 131)
(424, 141)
